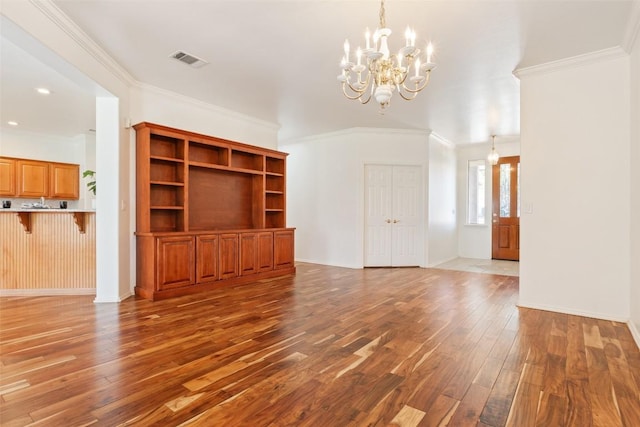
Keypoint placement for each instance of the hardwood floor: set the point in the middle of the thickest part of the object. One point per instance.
(328, 347)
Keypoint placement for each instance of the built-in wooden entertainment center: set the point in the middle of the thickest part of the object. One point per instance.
(210, 212)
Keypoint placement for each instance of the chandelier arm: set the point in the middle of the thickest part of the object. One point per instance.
(418, 89)
(355, 90)
(360, 92)
(364, 102)
(352, 97)
(409, 98)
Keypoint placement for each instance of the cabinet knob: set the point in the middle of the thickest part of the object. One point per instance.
(395, 221)
(388, 221)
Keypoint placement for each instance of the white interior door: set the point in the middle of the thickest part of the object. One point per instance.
(393, 203)
(379, 210)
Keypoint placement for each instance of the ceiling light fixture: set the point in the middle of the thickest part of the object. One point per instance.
(493, 156)
(43, 90)
(378, 73)
(12, 123)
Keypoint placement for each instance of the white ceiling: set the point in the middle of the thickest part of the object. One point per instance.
(69, 110)
(278, 60)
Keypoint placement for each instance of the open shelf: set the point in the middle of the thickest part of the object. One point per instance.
(274, 183)
(206, 154)
(274, 219)
(274, 201)
(164, 220)
(167, 195)
(170, 183)
(274, 165)
(166, 171)
(162, 146)
(246, 160)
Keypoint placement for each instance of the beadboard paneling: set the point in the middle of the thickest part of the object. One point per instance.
(53, 258)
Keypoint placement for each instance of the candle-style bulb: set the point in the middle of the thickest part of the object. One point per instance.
(346, 49)
(367, 36)
(429, 52)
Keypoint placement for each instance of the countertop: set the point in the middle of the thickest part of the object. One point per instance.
(51, 210)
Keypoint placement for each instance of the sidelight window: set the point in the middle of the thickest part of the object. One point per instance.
(476, 192)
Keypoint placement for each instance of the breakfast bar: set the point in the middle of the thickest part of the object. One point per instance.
(47, 251)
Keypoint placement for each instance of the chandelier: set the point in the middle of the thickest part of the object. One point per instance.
(493, 156)
(379, 73)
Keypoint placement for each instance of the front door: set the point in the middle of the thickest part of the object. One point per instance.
(506, 209)
(393, 215)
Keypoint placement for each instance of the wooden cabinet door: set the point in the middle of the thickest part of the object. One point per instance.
(256, 252)
(283, 249)
(175, 262)
(7, 177)
(33, 179)
(64, 180)
(206, 258)
(248, 253)
(265, 251)
(228, 259)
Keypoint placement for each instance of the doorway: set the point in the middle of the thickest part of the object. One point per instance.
(393, 215)
(505, 233)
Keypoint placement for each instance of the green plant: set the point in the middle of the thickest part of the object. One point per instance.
(91, 185)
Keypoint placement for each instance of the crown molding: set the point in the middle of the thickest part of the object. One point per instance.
(631, 36)
(571, 62)
(356, 130)
(60, 19)
(501, 140)
(207, 106)
(442, 140)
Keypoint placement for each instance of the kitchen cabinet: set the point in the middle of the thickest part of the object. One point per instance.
(64, 181)
(33, 179)
(7, 177)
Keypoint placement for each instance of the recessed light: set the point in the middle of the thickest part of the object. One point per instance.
(43, 90)
(12, 123)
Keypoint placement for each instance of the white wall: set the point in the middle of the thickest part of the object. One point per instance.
(442, 244)
(575, 245)
(155, 105)
(474, 241)
(29, 145)
(325, 188)
(635, 188)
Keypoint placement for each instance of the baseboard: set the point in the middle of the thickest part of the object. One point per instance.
(45, 292)
(572, 312)
(325, 263)
(634, 332)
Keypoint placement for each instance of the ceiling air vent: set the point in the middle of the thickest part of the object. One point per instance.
(189, 59)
